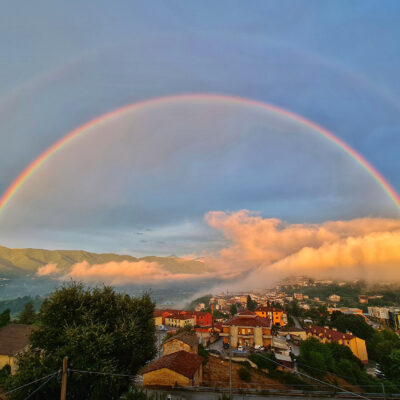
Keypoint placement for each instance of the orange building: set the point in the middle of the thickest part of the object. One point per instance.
(276, 315)
(354, 343)
(247, 329)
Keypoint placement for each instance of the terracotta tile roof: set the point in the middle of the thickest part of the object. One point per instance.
(247, 312)
(330, 334)
(185, 337)
(182, 362)
(245, 321)
(158, 313)
(14, 338)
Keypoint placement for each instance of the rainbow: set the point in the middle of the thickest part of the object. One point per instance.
(57, 146)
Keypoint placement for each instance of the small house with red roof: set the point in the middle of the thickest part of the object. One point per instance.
(176, 369)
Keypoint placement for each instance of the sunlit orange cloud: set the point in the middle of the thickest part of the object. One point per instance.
(47, 270)
(363, 248)
(263, 250)
(126, 272)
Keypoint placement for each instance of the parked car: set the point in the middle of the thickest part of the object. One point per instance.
(240, 348)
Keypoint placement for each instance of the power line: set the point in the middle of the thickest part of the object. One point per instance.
(36, 390)
(30, 383)
(102, 373)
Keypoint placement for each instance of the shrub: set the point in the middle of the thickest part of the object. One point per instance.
(244, 374)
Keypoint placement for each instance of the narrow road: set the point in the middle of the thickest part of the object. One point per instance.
(296, 322)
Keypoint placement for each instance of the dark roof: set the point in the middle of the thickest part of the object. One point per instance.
(185, 337)
(245, 321)
(329, 333)
(269, 309)
(182, 362)
(290, 329)
(14, 338)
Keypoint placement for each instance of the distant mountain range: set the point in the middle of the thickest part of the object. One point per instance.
(16, 263)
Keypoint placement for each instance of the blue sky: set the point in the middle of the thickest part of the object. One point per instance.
(63, 64)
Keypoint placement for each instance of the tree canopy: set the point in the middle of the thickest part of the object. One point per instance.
(251, 304)
(5, 318)
(353, 323)
(99, 330)
(28, 314)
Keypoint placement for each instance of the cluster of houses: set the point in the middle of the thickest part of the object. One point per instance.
(180, 363)
(247, 331)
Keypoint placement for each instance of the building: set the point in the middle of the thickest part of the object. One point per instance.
(354, 343)
(200, 318)
(158, 317)
(295, 333)
(394, 320)
(247, 329)
(277, 315)
(345, 310)
(281, 350)
(200, 307)
(363, 299)
(182, 341)
(298, 296)
(381, 313)
(14, 340)
(179, 320)
(180, 368)
(334, 298)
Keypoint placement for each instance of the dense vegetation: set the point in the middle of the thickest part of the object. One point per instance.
(99, 330)
(204, 299)
(319, 359)
(17, 305)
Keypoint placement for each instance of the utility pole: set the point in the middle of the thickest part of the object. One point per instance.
(64, 379)
(230, 364)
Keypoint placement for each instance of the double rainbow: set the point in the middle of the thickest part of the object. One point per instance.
(57, 146)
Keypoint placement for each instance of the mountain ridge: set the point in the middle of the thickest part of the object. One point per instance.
(16, 263)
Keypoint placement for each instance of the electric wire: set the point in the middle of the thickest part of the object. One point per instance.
(101, 373)
(37, 389)
(30, 383)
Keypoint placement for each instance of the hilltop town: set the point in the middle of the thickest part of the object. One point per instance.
(283, 339)
(270, 335)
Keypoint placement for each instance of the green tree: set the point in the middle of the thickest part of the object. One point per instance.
(264, 361)
(355, 324)
(293, 308)
(244, 374)
(394, 370)
(251, 304)
(233, 309)
(28, 315)
(5, 318)
(99, 330)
